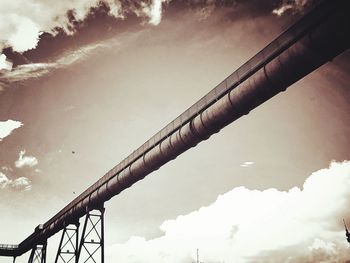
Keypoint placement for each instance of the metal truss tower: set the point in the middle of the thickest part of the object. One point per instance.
(68, 247)
(38, 254)
(91, 247)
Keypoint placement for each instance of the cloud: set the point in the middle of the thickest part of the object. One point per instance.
(25, 160)
(247, 164)
(3, 181)
(242, 225)
(282, 9)
(19, 184)
(6, 169)
(68, 58)
(6, 127)
(37, 70)
(21, 30)
(4, 63)
(294, 6)
(23, 21)
(26, 35)
(154, 11)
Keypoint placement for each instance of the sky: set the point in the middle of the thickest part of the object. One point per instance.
(84, 83)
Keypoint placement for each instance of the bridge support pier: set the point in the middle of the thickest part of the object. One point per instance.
(91, 247)
(38, 254)
(68, 247)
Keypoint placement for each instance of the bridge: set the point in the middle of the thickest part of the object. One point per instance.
(314, 40)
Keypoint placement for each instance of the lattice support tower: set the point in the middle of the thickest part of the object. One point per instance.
(91, 246)
(69, 244)
(38, 254)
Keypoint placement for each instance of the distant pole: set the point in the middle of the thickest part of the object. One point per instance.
(197, 261)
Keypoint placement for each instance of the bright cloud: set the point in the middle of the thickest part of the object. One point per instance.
(154, 11)
(19, 184)
(22, 21)
(294, 5)
(68, 58)
(4, 63)
(247, 164)
(25, 160)
(3, 180)
(6, 127)
(299, 225)
(282, 9)
(37, 70)
(26, 34)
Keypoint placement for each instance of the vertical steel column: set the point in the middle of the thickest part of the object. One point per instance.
(102, 236)
(91, 247)
(38, 254)
(68, 248)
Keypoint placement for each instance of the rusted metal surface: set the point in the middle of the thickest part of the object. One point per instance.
(314, 40)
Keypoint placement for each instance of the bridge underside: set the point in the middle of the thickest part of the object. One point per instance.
(8, 250)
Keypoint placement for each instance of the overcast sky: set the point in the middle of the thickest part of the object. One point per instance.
(100, 80)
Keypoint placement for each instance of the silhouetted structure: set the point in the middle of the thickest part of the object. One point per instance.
(347, 233)
(314, 40)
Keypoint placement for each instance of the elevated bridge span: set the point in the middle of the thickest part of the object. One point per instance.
(315, 39)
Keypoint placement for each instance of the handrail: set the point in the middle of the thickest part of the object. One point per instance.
(8, 247)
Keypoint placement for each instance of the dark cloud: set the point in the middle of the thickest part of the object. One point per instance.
(99, 24)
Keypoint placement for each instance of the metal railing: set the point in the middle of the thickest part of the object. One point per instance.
(8, 247)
